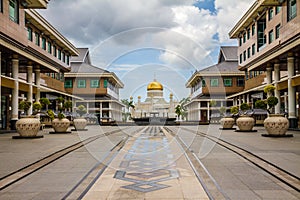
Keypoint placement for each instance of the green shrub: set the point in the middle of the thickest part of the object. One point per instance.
(50, 113)
(234, 109)
(269, 89)
(261, 104)
(244, 107)
(24, 105)
(44, 101)
(37, 106)
(60, 115)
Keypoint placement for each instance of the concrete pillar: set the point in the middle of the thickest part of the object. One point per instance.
(38, 84)
(244, 98)
(285, 102)
(240, 100)
(15, 92)
(0, 91)
(208, 112)
(29, 81)
(291, 93)
(269, 75)
(87, 107)
(277, 92)
(248, 98)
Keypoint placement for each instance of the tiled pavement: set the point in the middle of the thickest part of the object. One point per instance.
(147, 169)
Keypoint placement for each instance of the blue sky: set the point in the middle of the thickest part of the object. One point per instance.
(137, 39)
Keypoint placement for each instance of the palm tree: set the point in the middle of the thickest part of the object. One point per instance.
(128, 105)
(180, 109)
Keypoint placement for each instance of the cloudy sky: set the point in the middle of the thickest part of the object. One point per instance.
(141, 40)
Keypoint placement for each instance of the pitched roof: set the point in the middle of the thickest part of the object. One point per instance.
(228, 53)
(86, 68)
(229, 66)
(83, 56)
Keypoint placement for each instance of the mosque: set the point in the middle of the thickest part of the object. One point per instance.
(155, 107)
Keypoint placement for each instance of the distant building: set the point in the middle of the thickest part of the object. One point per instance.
(269, 53)
(30, 48)
(154, 105)
(214, 83)
(98, 88)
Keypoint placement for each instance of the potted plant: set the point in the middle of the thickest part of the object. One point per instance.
(227, 122)
(245, 122)
(60, 124)
(27, 126)
(275, 124)
(80, 123)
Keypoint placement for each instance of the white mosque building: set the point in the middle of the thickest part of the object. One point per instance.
(154, 105)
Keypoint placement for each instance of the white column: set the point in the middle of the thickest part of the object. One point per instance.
(291, 92)
(199, 111)
(285, 102)
(240, 100)
(15, 90)
(248, 98)
(277, 92)
(244, 98)
(87, 107)
(38, 84)
(30, 92)
(269, 75)
(0, 90)
(208, 112)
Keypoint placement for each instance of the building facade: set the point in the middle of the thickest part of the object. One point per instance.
(214, 84)
(98, 88)
(269, 48)
(29, 48)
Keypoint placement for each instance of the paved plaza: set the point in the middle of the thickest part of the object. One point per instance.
(139, 162)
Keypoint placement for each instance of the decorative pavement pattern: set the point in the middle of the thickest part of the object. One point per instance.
(148, 163)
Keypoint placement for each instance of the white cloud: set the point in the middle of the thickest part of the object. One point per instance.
(186, 35)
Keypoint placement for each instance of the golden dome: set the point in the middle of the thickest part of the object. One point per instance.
(155, 86)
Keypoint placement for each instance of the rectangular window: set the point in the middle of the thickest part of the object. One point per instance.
(49, 47)
(214, 82)
(29, 33)
(253, 49)
(54, 51)
(271, 36)
(240, 41)
(253, 29)
(81, 84)
(105, 83)
(203, 83)
(277, 10)
(240, 82)
(59, 54)
(37, 39)
(291, 9)
(244, 37)
(63, 57)
(1, 6)
(94, 83)
(271, 14)
(43, 43)
(68, 60)
(277, 31)
(261, 37)
(68, 83)
(14, 10)
(248, 52)
(228, 82)
(241, 58)
(244, 55)
(248, 33)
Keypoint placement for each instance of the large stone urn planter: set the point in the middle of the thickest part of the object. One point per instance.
(80, 123)
(60, 125)
(245, 123)
(276, 124)
(227, 122)
(28, 127)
